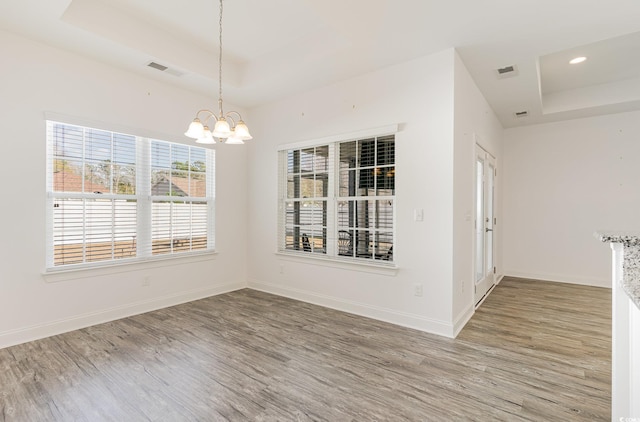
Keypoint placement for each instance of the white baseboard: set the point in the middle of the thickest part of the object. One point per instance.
(560, 278)
(404, 319)
(462, 319)
(35, 332)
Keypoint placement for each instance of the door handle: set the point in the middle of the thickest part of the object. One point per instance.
(488, 230)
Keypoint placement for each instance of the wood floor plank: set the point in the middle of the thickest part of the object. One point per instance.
(534, 351)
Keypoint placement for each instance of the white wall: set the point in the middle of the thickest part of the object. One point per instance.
(37, 78)
(562, 182)
(418, 95)
(474, 121)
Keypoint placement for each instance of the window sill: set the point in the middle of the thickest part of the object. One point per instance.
(387, 269)
(54, 275)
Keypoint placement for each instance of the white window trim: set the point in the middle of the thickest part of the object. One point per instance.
(353, 264)
(351, 136)
(77, 271)
(54, 273)
(373, 266)
(112, 127)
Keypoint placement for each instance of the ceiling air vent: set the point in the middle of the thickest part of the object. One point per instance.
(523, 113)
(163, 68)
(158, 66)
(507, 71)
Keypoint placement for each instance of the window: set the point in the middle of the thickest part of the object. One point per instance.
(114, 196)
(338, 199)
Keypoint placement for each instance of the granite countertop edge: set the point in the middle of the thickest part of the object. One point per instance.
(630, 260)
(626, 238)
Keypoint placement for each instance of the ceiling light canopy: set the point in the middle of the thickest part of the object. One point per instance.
(577, 60)
(226, 128)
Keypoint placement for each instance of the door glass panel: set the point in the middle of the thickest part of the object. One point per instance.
(489, 218)
(479, 220)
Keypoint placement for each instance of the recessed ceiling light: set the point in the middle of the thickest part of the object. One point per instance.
(577, 60)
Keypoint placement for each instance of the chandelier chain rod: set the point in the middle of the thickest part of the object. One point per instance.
(226, 128)
(220, 63)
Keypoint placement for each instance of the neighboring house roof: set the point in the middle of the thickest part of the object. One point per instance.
(72, 182)
(65, 181)
(180, 186)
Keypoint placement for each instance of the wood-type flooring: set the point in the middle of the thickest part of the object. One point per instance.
(534, 351)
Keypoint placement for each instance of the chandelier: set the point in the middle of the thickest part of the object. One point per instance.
(226, 128)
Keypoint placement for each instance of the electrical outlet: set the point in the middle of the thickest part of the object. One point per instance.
(462, 285)
(281, 268)
(145, 281)
(417, 289)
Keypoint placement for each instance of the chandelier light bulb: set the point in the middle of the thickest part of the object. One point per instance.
(234, 140)
(207, 137)
(222, 129)
(195, 130)
(242, 131)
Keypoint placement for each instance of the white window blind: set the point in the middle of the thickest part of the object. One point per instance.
(338, 199)
(309, 177)
(366, 198)
(114, 196)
